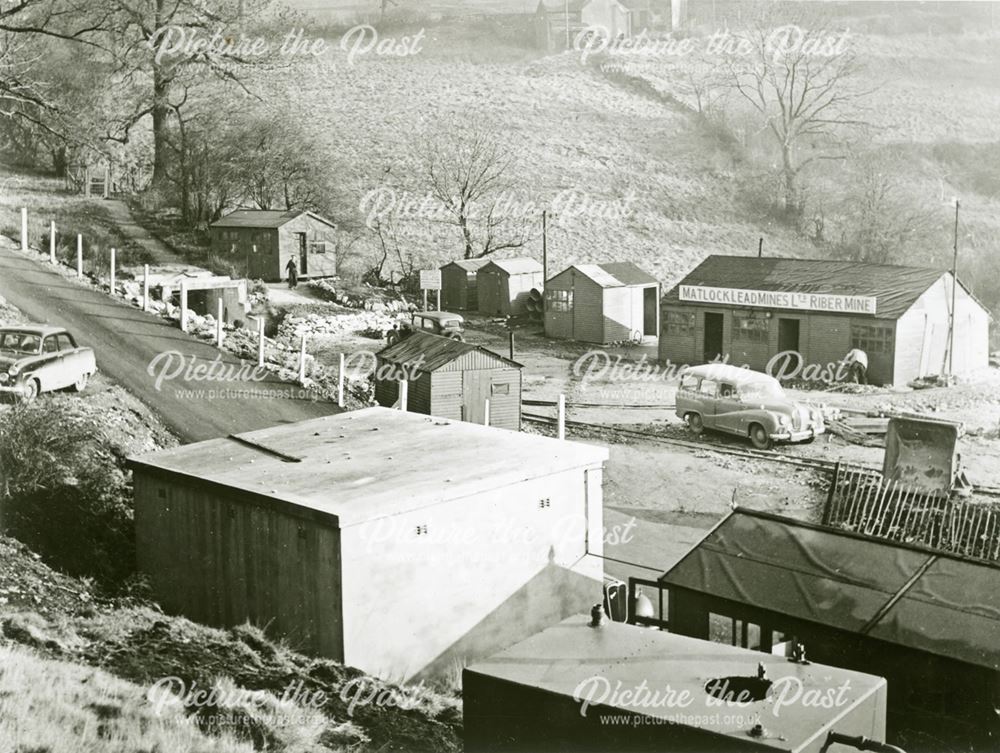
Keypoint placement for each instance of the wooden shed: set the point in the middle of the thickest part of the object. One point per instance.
(458, 284)
(602, 303)
(260, 243)
(400, 544)
(506, 284)
(451, 379)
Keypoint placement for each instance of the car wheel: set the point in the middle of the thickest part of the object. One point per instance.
(760, 438)
(695, 423)
(458, 337)
(31, 390)
(392, 339)
(810, 440)
(81, 384)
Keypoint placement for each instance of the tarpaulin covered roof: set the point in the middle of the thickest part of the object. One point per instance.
(261, 218)
(910, 596)
(518, 266)
(426, 352)
(469, 265)
(896, 288)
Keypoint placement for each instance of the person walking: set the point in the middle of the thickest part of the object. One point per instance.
(293, 273)
(857, 364)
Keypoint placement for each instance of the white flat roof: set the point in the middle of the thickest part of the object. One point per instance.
(372, 463)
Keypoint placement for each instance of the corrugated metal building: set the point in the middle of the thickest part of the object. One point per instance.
(749, 310)
(926, 620)
(451, 379)
(574, 687)
(504, 285)
(400, 544)
(458, 284)
(260, 243)
(602, 303)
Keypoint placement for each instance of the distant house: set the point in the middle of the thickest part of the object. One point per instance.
(451, 379)
(620, 18)
(260, 243)
(504, 285)
(602, 303)
(458, 284)
(557, 23)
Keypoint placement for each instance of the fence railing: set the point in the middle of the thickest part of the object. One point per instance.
(861, 500)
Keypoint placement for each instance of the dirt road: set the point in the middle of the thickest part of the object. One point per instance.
(154, 360)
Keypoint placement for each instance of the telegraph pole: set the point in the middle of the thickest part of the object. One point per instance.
(545, 246)
(954, 286)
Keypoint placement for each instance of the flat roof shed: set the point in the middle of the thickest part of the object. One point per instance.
(335, 532)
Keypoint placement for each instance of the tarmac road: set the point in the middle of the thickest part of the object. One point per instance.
(135, 349)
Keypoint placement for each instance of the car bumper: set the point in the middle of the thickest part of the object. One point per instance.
(16, 389)
(799, 436)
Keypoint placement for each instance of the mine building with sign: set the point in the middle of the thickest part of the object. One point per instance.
(798, 318)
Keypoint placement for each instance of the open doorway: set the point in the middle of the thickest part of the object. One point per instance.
(303, 254)
(649, 302)
(714, 324)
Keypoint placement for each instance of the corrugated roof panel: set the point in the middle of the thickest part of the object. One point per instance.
(896, 288)
(256, 218)
(628, 273)
(426, 352)
(518, 266)
(949, 606)
(469, 265)
(597, 273)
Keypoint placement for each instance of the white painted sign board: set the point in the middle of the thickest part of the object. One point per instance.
(780, 299)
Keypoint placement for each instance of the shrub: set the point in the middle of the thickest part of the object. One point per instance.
(64, 492)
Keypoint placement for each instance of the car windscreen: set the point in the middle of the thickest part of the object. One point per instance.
(761, 391)
(20, 342)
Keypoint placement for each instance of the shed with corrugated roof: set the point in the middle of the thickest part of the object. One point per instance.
(798, 318)
(450, 379)
(458, 284)
(602, 303)
(505, 285)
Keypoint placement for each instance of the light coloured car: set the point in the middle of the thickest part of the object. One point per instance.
(36, 359)
(441, 323)
(745, 403)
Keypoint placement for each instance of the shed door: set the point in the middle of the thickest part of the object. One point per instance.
(475, 393)
(649, 303)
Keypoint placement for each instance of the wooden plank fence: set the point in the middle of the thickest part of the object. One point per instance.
(861, 500)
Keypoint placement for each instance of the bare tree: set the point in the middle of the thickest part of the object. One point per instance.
(800, 83)
(468, 171)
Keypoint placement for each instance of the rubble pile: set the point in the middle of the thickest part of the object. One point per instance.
(378, 300)
(367, 323)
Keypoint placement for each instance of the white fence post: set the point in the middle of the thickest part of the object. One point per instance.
(218, 323)
(112, 271)
(145, 287)
(184, 306)
(79, 257)
(562, 417)
(260, 342)
(52, 242)
(24, 228)
(302, 361)
(486, 417)
(404, 389)
(340, 382)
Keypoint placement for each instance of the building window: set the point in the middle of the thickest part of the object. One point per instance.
(317, 247)
(559, 300)
(750, 329)
(871, 338)
(500, 389)
(679, 323)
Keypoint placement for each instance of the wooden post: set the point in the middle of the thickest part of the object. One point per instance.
(260, 342)
(52, 242)
(404, 388)
(486, 416)
(184, 306)
(79, 257)
(112, 271)
(302, 360)
(24, 228)
(425, 299)
(561, 421)
(218, 323)
(511, 336)
(439, 299)
(340, 382)
(145, 287)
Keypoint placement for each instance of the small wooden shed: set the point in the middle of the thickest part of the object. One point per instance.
(602, 303)
(458, 284)
(451, 379)
(504, 285)
(400, 544)
(259, 243)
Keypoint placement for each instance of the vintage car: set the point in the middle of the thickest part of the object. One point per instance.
(36, 359)
(746, 403)
(436, 322)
